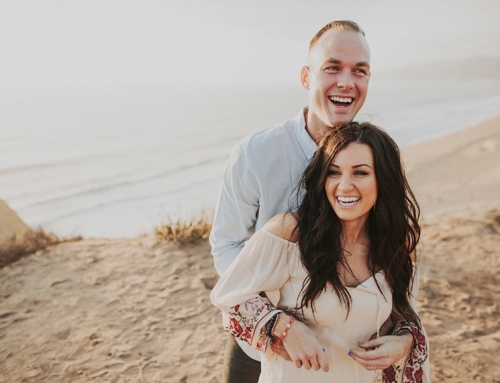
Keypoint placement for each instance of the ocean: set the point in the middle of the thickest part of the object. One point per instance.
(117, 163)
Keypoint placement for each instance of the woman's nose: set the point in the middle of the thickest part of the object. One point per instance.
(345, 183)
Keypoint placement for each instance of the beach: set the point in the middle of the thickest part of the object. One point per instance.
(133, 310)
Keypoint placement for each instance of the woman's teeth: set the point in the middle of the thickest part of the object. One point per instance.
(347, 201)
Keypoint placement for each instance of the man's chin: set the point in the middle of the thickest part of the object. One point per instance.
(339, 122)
(341, 119)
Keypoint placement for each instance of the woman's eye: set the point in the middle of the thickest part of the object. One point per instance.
(361, 173)
(333, 173)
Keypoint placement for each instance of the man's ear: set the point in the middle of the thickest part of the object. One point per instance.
(304, 77)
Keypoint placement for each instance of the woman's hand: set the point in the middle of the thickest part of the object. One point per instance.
(301, 345)
(281, 351)
(380, 353)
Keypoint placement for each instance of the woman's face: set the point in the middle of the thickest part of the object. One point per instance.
(351, 185)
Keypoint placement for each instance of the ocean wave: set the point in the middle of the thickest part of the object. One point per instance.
(175, 173)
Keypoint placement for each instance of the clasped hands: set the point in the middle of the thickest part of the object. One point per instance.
(301, 347)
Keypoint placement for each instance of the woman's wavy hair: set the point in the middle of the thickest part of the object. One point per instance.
(393, 229)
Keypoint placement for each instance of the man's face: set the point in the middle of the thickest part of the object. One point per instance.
(336, 77)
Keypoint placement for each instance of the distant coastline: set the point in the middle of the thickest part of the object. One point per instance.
(474, 68)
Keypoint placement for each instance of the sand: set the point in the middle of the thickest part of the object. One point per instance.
(457, 173)
(130, 310)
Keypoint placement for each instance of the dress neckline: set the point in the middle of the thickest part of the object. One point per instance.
(365, 281)
(360, 285)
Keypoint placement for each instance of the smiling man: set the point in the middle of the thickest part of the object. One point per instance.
(265, 167)
(336, 76)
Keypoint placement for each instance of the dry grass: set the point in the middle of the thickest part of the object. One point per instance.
(185, 231)
(17, 247)
(493, 215)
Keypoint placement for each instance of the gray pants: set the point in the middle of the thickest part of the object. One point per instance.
(238, 366)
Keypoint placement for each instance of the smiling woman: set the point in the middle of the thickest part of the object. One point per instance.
(345, 271)
(351, 186)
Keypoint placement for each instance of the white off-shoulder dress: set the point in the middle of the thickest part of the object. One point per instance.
(272, 264)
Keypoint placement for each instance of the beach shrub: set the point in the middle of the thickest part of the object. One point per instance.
(32, 241)
(185, 231)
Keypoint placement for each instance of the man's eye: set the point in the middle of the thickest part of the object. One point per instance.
(360, 71)
(333, 68)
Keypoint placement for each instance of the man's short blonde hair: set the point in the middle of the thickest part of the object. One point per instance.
(341, 25)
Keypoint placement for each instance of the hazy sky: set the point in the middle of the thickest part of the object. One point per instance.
(113, 43)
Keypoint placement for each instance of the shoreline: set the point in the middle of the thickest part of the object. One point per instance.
(418, 155)
(93, 190)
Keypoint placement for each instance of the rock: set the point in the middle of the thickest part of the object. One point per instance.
(10, 223)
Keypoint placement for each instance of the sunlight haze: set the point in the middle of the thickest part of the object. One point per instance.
(155, 43)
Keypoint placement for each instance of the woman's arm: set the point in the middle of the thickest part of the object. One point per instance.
(262, 266)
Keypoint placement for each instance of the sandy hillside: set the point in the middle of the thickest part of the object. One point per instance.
(134, 311)
(460, 295)
(110, 311)
(457, 172)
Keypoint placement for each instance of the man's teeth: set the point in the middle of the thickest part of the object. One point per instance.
(346, 100)
(347, 201)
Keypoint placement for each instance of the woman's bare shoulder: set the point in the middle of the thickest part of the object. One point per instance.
(284, 226)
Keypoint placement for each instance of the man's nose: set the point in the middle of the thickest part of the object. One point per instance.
(345, 81)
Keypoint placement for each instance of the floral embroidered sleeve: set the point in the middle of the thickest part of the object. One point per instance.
(412, 371)
(247, 321)
(416, 367)
(262, 266)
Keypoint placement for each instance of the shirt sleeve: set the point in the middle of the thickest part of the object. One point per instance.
(236, 210)
(263, 266)
(416, 367)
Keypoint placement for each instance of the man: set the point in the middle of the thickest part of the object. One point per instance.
(265, 167)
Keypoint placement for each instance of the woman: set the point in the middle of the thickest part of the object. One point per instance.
(342, 265)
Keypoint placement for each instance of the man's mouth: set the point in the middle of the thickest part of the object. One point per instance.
(347, 201)
(341, 101)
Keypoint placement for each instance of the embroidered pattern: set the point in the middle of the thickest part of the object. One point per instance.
(245, 317)
(412, 371)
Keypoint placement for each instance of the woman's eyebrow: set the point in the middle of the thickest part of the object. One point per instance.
(354, 166)
(357, 166)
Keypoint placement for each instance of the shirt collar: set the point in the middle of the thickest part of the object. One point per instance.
(305, 141)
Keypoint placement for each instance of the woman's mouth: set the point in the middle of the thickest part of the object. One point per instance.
(348, 201)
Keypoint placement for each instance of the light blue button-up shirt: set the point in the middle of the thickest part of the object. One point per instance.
(259, 181)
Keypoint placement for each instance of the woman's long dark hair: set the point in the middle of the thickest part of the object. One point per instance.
(393, 230)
